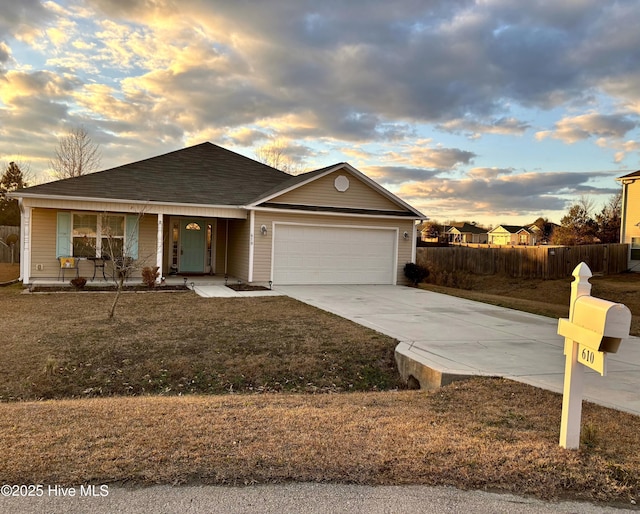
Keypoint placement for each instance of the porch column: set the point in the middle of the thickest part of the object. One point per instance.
(160, 246)
(252, 222)
(414, 242)
(25, 242)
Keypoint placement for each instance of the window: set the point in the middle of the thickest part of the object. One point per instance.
(193, 226)
(112, 231)
(84, 234)
(635, 248)
(95, 235)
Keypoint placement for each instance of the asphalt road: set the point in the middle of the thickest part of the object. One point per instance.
(292, 498)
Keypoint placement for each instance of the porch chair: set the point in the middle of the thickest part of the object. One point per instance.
(66, 264)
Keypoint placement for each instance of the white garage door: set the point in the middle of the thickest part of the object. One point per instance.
(333, 255)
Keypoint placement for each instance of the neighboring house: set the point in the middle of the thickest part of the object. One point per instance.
(542, 235)
(511, 235)
(630, 217)
(467, 233)
(207, 210)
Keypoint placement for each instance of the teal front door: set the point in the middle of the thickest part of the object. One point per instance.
(192, 245)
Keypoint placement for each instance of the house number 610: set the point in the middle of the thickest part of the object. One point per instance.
(588, 356)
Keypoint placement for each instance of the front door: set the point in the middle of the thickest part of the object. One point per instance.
(192, 245)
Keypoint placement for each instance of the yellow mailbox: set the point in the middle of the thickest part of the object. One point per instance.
(597, 324)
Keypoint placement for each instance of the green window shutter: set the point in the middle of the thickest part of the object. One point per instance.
(63, 240)
(131, 230)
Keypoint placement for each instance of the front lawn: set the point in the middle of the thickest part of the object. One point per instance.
(61, 345)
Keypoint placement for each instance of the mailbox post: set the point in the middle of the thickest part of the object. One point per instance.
(594, 328)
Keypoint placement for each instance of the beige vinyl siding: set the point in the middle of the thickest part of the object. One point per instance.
(632, 213)
(220, 241)
(263, 244)
(323, 192)
(147, 238)
(43, 243)
(238, 262)
(631, 219)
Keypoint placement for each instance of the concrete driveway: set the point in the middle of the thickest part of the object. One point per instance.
(450, 336)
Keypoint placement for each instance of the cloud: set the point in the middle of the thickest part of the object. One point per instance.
(398, 174)
(577, 128)
(504, 194)
(488, 173)
(424, 156)
(356, 69)
(626, 148)
(17, 18)
(473, 128)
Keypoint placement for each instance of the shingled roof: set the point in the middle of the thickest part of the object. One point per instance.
(468, 229)
(512, 229)
(635, 174)
(204, 174)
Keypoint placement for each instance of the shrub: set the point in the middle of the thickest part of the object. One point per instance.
(415, 273)
(79, 282)
(149, 275)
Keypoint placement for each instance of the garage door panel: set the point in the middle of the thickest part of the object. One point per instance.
(333, 255)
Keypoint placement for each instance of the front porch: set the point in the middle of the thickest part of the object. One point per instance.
(208, 286)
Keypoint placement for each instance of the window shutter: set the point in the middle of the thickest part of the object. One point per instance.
(63, 240)
(131, 230)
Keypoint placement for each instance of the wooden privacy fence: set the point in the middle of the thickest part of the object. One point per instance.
(5, 249)
(525, 261)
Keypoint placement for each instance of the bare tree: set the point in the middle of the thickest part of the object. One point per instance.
(276, 155)
(121, 248)
(76, 155)
(609, 220)
(577, 227)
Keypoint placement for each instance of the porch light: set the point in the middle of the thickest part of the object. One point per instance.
(406, 235)
(185, 281)
(263, 230)
(270, 283)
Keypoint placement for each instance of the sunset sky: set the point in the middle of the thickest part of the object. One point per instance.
(494, 111)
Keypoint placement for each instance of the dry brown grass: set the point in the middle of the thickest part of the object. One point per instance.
(548, 297)
(481, 434)
(61, 345)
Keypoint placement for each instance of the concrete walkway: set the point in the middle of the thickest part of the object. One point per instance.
(450, 336)
(222, 291)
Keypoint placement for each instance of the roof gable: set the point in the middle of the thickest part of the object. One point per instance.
(319, 189)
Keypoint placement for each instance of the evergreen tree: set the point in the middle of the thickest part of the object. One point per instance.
(12, 180)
